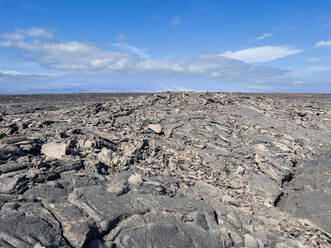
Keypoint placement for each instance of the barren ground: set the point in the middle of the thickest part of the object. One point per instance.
(165, 170)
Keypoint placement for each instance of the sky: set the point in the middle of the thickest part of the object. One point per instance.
(66, 46)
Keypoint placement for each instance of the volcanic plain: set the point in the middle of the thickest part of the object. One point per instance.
(182, 169)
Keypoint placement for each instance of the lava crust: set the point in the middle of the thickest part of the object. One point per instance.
(165, 170)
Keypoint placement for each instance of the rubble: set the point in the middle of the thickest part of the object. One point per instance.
(181, 169)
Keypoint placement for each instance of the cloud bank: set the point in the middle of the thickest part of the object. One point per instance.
(83, 58)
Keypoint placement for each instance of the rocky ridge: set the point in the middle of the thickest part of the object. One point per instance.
(165, 170)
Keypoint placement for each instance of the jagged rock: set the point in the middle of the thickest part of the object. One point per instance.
(54, 150)
(77, 229)
(181, 169)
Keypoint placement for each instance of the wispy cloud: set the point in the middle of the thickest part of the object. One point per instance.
(264, 36)
(323, 43)
(82, 58)
(175, 21)
(261, 54)
(14, 73)
(33, 32)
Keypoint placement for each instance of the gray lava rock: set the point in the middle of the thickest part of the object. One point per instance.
(28, 224)
(312, 205)
(7, 184)
(269, 188)
(182, 169)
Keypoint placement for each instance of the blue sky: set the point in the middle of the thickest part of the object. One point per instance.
(149, 45)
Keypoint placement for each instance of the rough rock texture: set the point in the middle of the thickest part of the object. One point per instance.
(54, 150)
(165, 170)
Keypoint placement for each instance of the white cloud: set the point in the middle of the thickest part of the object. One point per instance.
(83, 58)
(13, 73)
(261, 54)
(175, 21)
(323, 43)
(264, 36)
(20, 34)
(38, 33)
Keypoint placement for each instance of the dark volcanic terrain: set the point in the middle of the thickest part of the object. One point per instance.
(165, 170)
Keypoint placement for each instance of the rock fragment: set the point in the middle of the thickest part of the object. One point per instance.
(12, 166)
(155, 128)
(7, 184)
(135, 179)
(105, 156)
(55, 150)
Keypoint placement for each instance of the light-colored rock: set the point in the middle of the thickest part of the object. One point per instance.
(135, 179)
(54, 150)
(105, 156)
(129, 150)
(155, 128)
(88, 144)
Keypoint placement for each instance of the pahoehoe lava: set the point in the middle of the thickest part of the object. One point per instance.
(171, 169)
